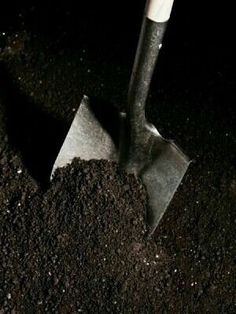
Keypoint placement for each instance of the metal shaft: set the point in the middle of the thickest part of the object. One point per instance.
(150, 42)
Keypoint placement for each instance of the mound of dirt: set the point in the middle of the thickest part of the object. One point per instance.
(83, 245)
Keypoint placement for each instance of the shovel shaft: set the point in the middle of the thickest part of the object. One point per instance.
(155, 19)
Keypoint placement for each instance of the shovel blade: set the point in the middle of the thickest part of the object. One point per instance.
(94, 134)
(89, 136)
(161, 176)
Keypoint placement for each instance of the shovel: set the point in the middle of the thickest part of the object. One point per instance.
(141, 149)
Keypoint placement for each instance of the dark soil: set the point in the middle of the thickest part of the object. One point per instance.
(81, 246)
(79, 243)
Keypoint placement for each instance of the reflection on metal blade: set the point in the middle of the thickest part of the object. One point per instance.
(86, 139)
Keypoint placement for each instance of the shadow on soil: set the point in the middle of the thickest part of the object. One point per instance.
(32, 132)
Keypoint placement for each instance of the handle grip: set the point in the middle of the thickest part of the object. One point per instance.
(159, 10)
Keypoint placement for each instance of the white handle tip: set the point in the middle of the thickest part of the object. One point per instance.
(159, 10)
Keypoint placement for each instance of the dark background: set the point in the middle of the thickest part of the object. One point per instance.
(201, 29)
(199, 39)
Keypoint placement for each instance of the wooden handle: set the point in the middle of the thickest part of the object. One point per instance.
(159, 10)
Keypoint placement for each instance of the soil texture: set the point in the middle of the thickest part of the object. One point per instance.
(80, 243)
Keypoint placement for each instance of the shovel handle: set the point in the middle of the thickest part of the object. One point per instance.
(156, 16)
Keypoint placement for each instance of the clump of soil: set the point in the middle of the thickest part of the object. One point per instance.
(83, 246)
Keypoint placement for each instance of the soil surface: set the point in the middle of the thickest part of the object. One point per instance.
(79, 243)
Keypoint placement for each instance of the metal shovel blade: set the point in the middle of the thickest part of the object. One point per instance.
(161, 164)
(162, 174)
(90, 136)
